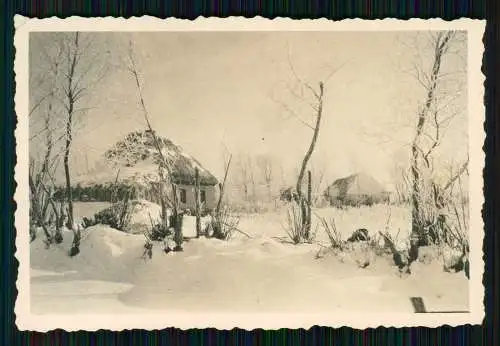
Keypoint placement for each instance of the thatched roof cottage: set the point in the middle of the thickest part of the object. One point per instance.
(356, 189)
(135, 162)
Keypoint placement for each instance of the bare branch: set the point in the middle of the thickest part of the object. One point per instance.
(39, 103)
(436, 138)
(313, 140)
(223, 185)
(457, 176)
(302, 98)
(335, 70)
(133, 70)
(296, 116)
(292, 114)
(45, 129)
(77, 94)
(301, 81)
(420, 76)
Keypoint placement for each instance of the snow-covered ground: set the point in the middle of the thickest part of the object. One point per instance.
(263, 273)
(88, 209)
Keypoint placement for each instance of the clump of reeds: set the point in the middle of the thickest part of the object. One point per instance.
(334, 236)
(296, 227)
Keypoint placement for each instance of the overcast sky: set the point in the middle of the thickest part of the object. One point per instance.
(214, 90)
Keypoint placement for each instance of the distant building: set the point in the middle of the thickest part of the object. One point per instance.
(356, 189)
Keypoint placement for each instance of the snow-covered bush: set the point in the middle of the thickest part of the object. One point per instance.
(224, 224)
(117, 216)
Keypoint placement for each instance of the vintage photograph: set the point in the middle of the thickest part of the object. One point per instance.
(246, 171)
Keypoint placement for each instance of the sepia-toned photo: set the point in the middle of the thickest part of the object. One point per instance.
(248, 173)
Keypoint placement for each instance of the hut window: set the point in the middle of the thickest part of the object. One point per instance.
(203, 196)
(183, 195)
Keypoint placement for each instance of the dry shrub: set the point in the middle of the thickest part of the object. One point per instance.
(224, 223)
(158, 231)
(360, 252)
(455, 231)
(334, 236)
(148, 248)
(426, 219)
(458, 225)
(402, 257)
(43, 211)
(442, 222)
(296, 227)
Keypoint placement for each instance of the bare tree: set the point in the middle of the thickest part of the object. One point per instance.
(319, 113)
(402, 184)
(165, 163)
(318, 175)
(41, 176)
(428, 196)
(251, 175)
(40, 200)
(42, 186)
(73, 93)
(266, 168)
(283, 180)
(314, 100)
(74, 70)
(247, 179)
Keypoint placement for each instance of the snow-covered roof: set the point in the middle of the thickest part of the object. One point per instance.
(355, 184)
(136, 159)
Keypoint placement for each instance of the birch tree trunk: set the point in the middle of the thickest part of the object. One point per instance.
(417, 156)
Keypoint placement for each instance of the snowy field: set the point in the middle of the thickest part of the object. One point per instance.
(264, 273)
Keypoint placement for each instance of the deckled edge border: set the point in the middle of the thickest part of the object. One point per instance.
(27, 321)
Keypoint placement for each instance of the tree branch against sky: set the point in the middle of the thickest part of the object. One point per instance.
(241, 120)
(68, 67)
(313, 97)
(428, 195)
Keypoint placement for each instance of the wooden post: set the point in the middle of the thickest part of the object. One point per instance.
(178, 237)
(197, 201)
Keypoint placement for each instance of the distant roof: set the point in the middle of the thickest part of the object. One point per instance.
(355, 184)
(136, 158)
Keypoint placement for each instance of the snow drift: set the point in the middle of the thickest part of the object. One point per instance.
(105, 253)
